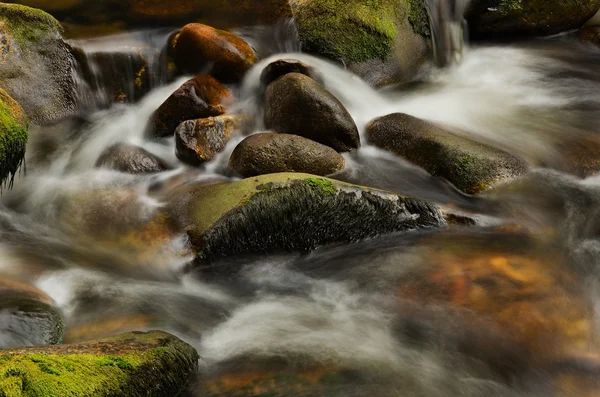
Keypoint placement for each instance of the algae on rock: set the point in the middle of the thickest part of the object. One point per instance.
(13, 137)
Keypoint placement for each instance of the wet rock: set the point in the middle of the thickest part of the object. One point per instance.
(590, 35)
(381, 41)
(200, 97)
(469, 165)
(28, 317)
(245, 217)
(502, 18)
(201, 48)
(132, 364)
(36, 65)
(132, 159)
(281, 67)
(199, 141)
(13, 137)
(296, 104)
(271, 153)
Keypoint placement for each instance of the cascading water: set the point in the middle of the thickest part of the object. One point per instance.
(339, 306)
(449, 29)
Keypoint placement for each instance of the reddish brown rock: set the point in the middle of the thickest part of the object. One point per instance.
(200, 47)
(202, 96)
(198, 141)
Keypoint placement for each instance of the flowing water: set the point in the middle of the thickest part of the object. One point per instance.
(362, 312)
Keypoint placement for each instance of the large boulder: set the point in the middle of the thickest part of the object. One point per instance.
(281, 67)
(382, 41)
(132, 159)
(296, 104)
(270, 153)
(201, 48)
(13, 136)
(133, 364)
(200, 97)
(36, 65)
(199, 141)
(28, 317)
(471, 166)
(290, 212)
(502, 18)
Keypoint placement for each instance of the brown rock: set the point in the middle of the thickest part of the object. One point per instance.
(296, 104)
(270, 153)
(198, 141)
(132, 159)
(590, 35)
(202, 96)
(200, 48)
(281, 67)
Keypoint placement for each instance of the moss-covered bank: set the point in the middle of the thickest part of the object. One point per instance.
(13, 137)
(132, 364)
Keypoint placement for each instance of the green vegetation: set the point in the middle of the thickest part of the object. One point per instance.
(324, 185)
(27, 25)
(417, 16)
(13, 137)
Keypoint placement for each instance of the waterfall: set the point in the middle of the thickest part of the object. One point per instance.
(448, 30)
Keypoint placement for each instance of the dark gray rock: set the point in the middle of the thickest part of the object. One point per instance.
(132, 159)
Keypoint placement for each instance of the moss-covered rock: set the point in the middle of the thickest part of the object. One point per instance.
(128, 365)
(290, 212)
(501, 18)
(36, 65)
(471, 166)
(13, 136)
(381, 40)
(28, 317)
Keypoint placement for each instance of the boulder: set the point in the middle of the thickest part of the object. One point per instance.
(28, 317)
(382, 41)
(296, 104)
(471, 166)
(133, 364)
(271, 153)
(200, 97)
(289, 212)
(199, 141)
(281, 67)
(13, 137)
(132, 159)
(201, 48)
(502, 18)
(36, 65)
(590, 35)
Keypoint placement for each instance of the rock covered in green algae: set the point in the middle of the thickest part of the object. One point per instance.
(501, 18)
(469, 165)
(13, 136)
(380, 40)
(291, 212)
(36, 65)
(133, 364)
(28, 317)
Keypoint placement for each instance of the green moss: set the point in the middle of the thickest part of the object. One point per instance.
(349, 30)
(508, 6)
(13, 140)
(324, 185)
(27, 25)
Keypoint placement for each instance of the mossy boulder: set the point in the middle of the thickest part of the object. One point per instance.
(290, 212)
(502, 18)
(13, 136)
(36, 65)
(133, 364)
(269, 153)
(132, 159)
(380, 40)
(28, 317)
(471, 166)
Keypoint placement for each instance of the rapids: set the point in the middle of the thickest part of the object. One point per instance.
(339, 304)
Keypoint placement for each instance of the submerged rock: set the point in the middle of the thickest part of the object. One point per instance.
(132, 159)
(200, 97)
(270, 153)
(469, 165)
(201, 48)
(290, 212)
(281, 67)
(132, 364)
(296, 104)
(381, 41)
(199, 141)
(28, 317)
(590, 35)
(13, 136)
(502, 18)
(36, 65)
